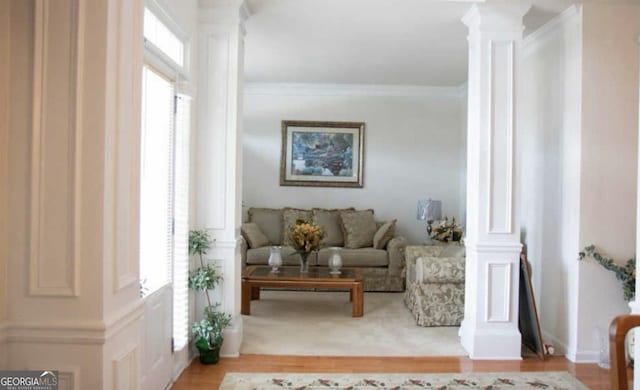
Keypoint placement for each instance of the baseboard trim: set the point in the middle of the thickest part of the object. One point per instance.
(96, 333)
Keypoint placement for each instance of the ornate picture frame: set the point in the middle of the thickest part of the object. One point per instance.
(322, 154)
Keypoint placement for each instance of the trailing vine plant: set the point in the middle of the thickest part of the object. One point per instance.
(625, 274)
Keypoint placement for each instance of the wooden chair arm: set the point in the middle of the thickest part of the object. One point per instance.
(618, 330)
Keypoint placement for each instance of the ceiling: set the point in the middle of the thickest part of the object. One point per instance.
(384, 42)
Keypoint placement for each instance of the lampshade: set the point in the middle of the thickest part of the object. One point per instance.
(430, 210)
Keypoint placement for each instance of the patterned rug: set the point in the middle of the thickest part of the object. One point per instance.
(471, 380)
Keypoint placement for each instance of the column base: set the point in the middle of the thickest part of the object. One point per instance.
(491, 344)
(232, 339)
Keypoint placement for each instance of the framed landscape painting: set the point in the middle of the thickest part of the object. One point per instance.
(322, 154)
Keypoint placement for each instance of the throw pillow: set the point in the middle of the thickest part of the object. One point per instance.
(290, 216)
(253, 235)
(329, 221)
(269, 221)
(358, 228)
(384, 234)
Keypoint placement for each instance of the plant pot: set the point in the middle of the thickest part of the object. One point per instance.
(211, 355)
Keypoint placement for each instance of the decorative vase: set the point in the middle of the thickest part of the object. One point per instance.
(304, 262)
(335, 261)
(211, 355)
(275, 259)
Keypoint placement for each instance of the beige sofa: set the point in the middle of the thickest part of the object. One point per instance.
(366, 244)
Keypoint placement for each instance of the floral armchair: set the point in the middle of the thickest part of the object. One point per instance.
(435, 284)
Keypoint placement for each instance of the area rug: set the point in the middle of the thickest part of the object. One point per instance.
(477, 380)
(320, 324)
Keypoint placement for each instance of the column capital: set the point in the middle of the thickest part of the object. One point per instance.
(224, 12)
(503, 17)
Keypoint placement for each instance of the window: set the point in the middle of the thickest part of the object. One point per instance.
(156, 181)
(162, 38)
(164, 173)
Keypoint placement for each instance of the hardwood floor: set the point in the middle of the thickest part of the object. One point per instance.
(198, 376)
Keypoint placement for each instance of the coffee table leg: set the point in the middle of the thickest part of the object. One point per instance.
(358, 300)
(255, 293)
(351, 295)
(245, 306)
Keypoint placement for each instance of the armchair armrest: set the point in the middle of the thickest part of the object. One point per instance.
(412, 253)
(395, 249)
(440, 269)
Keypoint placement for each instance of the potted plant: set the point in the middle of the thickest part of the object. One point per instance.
(208, 331)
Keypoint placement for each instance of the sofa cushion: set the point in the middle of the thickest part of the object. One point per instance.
(260, 256)
(363, 257)
(329, 221)
(289, 217)
(254, 236)
(384, 234)
(358, 228)
(269, 221)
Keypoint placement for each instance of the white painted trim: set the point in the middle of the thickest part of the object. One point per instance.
(124, 318)
(494, 247)
(68, 373)
(122, 148)
(506, 303)
(353, 90)
(507, 227)
(227, 244)
(74, 333)
(126, 363)
(551, 25)
(39, 128)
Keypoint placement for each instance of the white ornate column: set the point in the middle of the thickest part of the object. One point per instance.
(490, 327)
(219, 171)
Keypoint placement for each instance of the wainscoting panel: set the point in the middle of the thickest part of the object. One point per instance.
(125, 370)
(56, 148)
(498, 292)
(501, 137)
(123, 143)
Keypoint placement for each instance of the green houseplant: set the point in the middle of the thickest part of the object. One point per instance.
(207, 332)
(625, 274)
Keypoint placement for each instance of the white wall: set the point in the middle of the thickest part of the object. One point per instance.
(577, 167)
(609, 159)
(549, 165)
(414, 149)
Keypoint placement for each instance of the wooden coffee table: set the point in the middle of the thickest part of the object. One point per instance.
(258, 276)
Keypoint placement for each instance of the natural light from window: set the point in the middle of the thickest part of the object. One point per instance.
(157, 33)
(156, 190)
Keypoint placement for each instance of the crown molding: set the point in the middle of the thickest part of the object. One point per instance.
(552, 25)
(353, 90)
